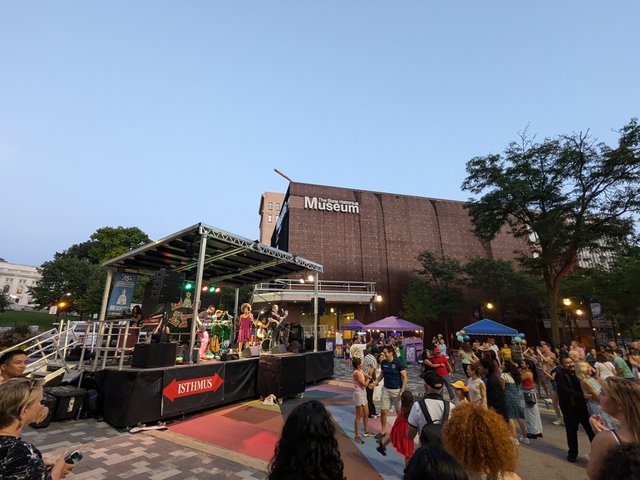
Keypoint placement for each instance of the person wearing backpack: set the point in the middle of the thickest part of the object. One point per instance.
(429, 414)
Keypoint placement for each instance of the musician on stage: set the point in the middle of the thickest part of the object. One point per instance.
(203, 321)
(275, 320)
(246, 322)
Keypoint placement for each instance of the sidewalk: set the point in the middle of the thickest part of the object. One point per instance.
(194, 449)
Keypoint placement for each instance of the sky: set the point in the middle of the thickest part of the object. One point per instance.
(163, 114)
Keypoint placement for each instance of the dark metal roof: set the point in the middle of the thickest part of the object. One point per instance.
(229, 260)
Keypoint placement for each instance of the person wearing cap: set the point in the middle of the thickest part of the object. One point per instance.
(460, 392)
(433, 402)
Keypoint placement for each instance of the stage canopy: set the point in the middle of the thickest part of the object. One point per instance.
(393, 324)
(354, 325)
(228, 259)
(489, 327)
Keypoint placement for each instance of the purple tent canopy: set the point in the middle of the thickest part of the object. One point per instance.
(393, 324)
(354, 325)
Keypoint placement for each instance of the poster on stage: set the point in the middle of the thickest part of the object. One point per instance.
(192, 388)
(122, 294)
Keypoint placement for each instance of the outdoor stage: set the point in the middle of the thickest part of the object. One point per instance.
(145, 395)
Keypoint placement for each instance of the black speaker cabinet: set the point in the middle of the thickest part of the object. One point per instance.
(281, 375)
(154, 355)
(322, 344)
(279, 349)
(249, 352)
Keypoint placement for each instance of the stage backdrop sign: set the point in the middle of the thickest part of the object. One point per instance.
(122, 293)
(192, 388)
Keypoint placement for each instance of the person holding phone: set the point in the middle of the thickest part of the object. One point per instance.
(20, 405)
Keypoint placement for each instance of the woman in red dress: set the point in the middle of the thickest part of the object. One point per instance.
(246, 321)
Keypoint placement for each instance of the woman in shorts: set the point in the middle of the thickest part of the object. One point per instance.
(360, 383)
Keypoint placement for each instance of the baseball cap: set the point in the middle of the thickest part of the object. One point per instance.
(460, 384)
(432, 379)
(437, 350)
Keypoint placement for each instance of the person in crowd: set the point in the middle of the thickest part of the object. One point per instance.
(426, 360)
(356, 350)
(516, 352)
(442, 367)
(395, 383)
(439, 410)
(479, 439)
(614, 348)
(573, 406)
(307, 447)
(604, 368)
(13, 364)
(555, 402)
(531, 411)
(370, 365)
(491, 344)
(477, 388)
(619, 398)
(511, 381)
(546, 359)
(20, 405)
(136, 316)
(592, 387)
(634, 359)
(246, 322)
(381, 341)
(622, 461)
(461, 392)
(443, 347)
(433, 462)
(578, 349)
(495, 390)
(360, 384)
(591, 357)
(467, 357)
(506, 353)
(622, 368)
(398, 437)
(377, 389)
(347, 353)
(490, 355)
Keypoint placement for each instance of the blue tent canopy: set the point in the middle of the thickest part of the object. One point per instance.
(489, 327)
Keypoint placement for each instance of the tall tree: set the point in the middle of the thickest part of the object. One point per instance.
(5, 301)
(417, 304)
(443, 276)
(562, 195)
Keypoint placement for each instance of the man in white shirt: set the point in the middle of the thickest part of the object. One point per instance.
(435, 405)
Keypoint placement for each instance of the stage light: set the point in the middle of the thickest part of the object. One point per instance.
(188, 286)
(218, 290)
(310, 278)
(205, 288)
(302, 280)
(212, 288)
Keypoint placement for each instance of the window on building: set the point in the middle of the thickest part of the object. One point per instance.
(6, 289)
(270, 205)
(277, 206)
(270, 219)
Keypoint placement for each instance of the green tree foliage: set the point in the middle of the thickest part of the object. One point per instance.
(443, 277)
(517, 295)
(77, 270)
(562, 195)
(4, 301)
(417, 304)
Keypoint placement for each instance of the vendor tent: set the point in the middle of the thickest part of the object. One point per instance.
(393, 324)
(355, 325)
(489, 327)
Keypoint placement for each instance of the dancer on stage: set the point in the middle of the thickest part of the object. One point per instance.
(246, 321)
(204, 323)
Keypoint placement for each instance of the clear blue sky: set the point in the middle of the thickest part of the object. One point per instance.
(160, 114)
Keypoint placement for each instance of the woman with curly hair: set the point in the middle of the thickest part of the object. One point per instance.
(479, 439)
(619, 398)
(308, 448)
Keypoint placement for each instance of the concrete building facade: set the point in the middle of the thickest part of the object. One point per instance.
(15, 282)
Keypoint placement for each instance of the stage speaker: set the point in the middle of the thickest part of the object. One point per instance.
(228, 356)
(154, 355)
(281, 375)
(322, 344)
(166, 286)
(279, 349)
(249, 352)
(321, 305)
(296, 333)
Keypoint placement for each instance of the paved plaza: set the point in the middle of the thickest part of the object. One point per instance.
(236, 441)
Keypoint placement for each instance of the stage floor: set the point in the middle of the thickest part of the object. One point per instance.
(251, 429)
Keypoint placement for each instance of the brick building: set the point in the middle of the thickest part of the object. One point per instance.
(365, 236)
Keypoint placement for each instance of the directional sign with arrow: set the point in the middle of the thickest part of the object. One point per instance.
(187, 389)
(194, 386)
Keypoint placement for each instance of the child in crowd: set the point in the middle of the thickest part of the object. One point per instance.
(461, 392)
(398, 436)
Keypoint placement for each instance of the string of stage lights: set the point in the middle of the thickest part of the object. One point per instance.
(205, 288)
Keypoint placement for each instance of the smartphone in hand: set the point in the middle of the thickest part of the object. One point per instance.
(73, 457)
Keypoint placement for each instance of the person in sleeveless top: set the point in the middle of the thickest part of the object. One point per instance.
(620, 398)
(477, 388)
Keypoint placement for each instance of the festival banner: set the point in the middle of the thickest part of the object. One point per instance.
(192, 388)
(122, 292)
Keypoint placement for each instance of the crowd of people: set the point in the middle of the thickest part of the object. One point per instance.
(473, 431)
